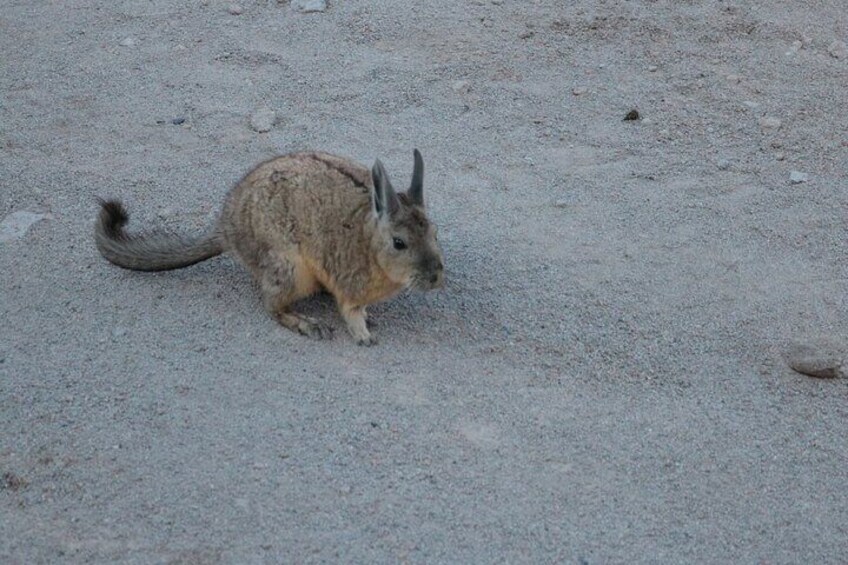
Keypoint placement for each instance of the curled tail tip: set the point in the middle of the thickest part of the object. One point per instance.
(113, 217)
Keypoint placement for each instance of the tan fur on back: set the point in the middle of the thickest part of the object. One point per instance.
(313, 208)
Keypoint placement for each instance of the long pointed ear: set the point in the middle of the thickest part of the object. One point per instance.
(385, 198)
(416, 187)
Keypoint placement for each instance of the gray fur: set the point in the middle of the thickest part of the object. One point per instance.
(155, 252)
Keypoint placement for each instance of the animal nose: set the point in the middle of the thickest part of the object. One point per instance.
(438, 267)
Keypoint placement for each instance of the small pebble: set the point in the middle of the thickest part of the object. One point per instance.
(262, 120)
(797, 177)
(578, 90)
(838, 50)
(308, 6)
(16, 224)
(794, 48)
(779, 156)
(631, 115)
(561, 204)
(461, 86)
(824, 359)
(178, 121)
(751, 104)
(235, 9)
(127, 42)
(734, 78)
(769, 122)
(653, 68)
(723, 164)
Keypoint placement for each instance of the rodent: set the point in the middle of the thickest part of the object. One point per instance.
(302, 223)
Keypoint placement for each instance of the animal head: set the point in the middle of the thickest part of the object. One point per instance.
(405, 242)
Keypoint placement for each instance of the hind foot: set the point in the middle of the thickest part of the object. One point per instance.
(304, 325)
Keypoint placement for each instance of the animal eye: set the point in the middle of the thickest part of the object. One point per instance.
(399, 243)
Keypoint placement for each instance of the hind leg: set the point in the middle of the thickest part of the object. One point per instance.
(282, 283)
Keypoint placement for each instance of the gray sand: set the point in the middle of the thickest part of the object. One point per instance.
(601, 381)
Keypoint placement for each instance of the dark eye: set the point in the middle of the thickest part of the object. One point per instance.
(399, 243)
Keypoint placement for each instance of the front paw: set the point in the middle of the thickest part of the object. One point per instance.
(367, 341)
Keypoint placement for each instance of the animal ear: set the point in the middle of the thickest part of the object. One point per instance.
(385, 198)
(416, 187)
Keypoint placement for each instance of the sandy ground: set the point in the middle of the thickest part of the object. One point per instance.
(602, 379)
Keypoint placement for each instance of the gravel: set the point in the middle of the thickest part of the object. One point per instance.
(604, 382)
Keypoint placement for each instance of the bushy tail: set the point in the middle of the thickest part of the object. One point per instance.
(148, 252)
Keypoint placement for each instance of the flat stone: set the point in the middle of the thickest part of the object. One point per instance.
(822, 358)
(235, 9)
(16, 224)
(769, 122)
(797, 177)
(262, 120)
